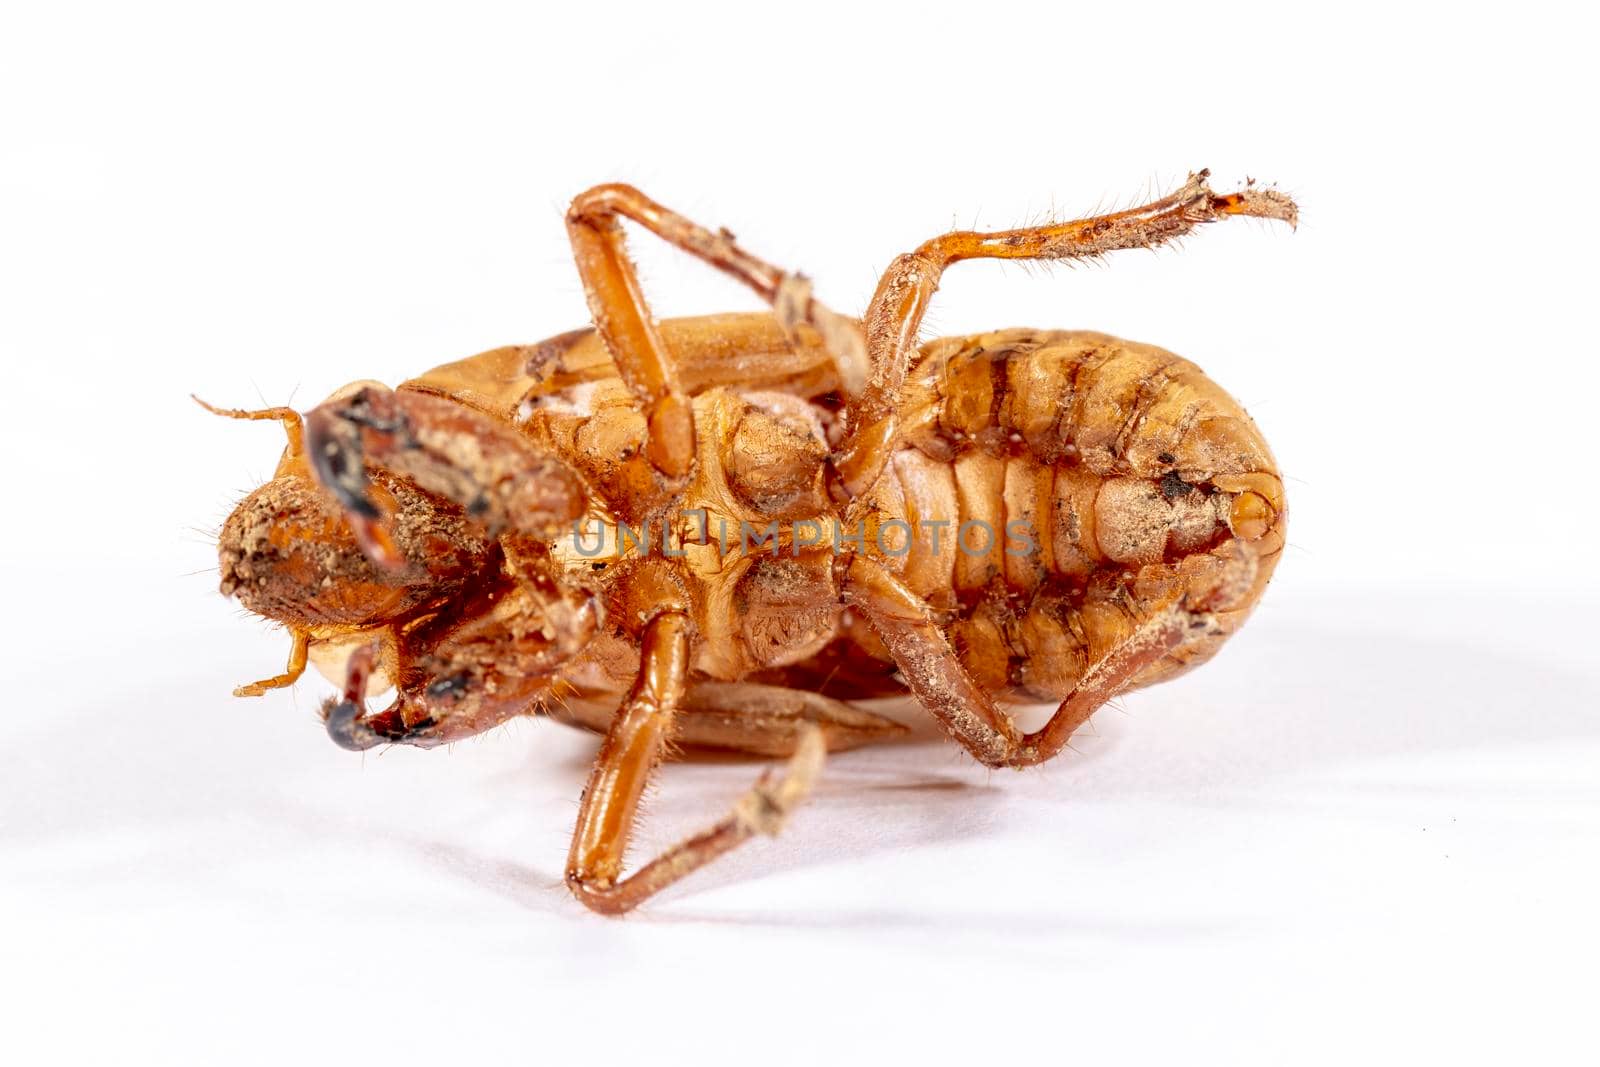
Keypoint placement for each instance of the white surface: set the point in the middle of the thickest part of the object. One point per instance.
(1368, 830)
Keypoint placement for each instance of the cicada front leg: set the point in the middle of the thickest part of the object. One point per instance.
(481, 464)
(894, 318)
(470, 669)
(347, 719)
(633, 746)
(623, 319)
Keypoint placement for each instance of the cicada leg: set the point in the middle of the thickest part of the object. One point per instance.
(894, 317)
(622, 315)
(751, 718)
(487, 467)
(632, 748)
(942, 684)
(461, 673)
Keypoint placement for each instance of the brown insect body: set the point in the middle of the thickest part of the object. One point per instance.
(730, 525)
(1126, 512)
(1139, 479)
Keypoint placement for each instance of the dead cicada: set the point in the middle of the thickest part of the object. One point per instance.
(719, 531)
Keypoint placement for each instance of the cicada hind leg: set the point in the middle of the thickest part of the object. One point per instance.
(944, 686)
(894, 318)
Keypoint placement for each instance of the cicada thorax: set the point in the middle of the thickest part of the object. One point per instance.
(722, 543)
(1058, 488)
(745, 546)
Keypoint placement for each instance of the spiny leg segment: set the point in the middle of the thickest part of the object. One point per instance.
(752, 718)
(498, 475)
(632, 747)
(943, 685)
(622, 315)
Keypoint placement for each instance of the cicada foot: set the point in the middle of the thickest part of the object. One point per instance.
(346, 717)
(356, 731)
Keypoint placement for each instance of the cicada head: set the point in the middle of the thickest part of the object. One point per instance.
(288, 553)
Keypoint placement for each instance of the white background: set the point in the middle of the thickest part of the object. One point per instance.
(1367, 831)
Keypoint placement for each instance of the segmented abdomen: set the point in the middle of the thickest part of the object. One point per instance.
(1062, 486)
